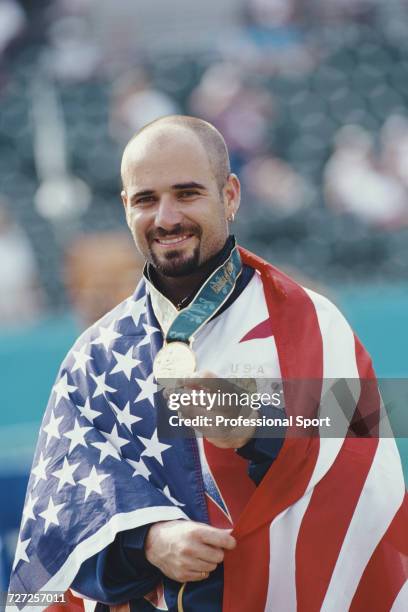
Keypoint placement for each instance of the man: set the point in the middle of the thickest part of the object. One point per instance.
(233, 522)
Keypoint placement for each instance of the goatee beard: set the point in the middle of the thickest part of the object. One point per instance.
(172, 266)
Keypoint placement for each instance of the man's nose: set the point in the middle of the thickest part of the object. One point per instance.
(168, 213)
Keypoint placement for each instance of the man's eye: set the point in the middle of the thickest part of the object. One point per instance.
(144, 200)
(187, 194)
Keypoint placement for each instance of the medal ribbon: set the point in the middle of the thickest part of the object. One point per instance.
(207, 301)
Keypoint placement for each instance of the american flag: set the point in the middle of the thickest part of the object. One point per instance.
(99, 466)
(325, 530)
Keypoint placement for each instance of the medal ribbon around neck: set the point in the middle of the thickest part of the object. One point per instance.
(176, 359)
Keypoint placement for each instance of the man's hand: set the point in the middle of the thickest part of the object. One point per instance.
(186, 551)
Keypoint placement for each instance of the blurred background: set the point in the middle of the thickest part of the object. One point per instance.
(312, 98)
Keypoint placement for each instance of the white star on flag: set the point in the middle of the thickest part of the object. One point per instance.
(112, 446)
(175, 501)
(21, 554)
(86, 411)
(77, 436)
(124, 416)
(39, 469)
(92, 483)
(101, 386)
(65, 474)
(106, 449)
(62, 388)
(150, 330)
(51, 429)
(50, 515)
(135, 309)
(125, 363)
(81, 359)
(28, 510)
(147, 389)
(106, 336)
(140, 468)
(115, 439)
(154, 448)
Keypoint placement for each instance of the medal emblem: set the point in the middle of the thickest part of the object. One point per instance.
(174, 360)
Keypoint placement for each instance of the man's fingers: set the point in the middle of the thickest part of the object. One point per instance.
(185, 550)
(210, 554)
(194, 576)
(219, 538)
(202, 566)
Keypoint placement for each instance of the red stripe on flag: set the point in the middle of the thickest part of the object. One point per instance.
(230, 474)
(289, 475)
(367, 415)
(387, 570)
(262, 330)
(327, 519)
(246, 574)
(281, 487)
(335, 497)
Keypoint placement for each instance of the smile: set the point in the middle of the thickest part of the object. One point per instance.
(168, 242)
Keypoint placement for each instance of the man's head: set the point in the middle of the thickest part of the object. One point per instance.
(178, 193)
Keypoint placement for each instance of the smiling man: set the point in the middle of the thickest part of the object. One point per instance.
(238, 521)
(179, 195)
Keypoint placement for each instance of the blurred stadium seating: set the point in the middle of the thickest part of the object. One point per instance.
(281, 87)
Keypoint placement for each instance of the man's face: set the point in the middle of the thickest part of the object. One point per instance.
(174, 208)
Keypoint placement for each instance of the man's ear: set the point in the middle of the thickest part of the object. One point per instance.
(232, 195)
(124, 197)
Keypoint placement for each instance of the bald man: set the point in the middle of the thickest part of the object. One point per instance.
(179, 197)
(139, 518)
(183, 161)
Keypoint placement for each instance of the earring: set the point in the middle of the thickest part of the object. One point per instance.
(231, 217)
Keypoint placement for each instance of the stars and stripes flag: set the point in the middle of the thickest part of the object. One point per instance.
(325, 530)
(99, 466)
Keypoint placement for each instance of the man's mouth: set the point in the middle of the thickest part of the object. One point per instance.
(171, 241)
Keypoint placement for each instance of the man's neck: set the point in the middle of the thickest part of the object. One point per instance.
(180, 290)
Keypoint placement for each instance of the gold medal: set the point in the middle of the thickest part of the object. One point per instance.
(174, 360)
